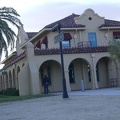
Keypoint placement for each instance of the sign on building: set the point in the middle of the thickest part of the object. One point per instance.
(59, 37)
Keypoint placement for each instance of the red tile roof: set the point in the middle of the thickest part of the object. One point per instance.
(14, 60)
(71, 50)
(67, 22)
(110, 23)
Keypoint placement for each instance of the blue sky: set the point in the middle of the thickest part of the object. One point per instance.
(35, 14)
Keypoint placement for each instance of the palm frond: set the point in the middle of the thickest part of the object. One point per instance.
(8, 10)
(11, 19)
(7, 35)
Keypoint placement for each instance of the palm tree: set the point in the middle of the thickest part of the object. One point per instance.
(8, 16)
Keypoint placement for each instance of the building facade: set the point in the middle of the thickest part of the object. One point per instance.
(85, 54)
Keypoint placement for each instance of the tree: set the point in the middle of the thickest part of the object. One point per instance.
(114, 49)
(8, 16)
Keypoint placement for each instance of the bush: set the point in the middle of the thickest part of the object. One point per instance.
(10, 92)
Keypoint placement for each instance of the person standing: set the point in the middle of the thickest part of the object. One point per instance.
(45, 84)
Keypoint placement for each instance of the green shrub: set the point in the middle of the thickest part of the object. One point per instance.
(10, 92)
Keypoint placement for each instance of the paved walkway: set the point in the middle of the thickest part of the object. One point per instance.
(105, 91)
(102, 104)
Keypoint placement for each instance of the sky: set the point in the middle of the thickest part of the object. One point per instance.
(36, 14)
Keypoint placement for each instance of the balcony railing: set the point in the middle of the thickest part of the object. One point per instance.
(84, 44)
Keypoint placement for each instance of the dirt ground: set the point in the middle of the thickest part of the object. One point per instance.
(76, 107)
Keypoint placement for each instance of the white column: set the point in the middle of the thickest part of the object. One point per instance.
(84, 74)
(95, 84)
(92, 77)
(67, 81)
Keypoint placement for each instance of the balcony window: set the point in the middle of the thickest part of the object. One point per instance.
(66, 44)
(92, 38)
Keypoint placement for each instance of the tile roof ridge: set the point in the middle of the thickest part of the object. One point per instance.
(112, 20)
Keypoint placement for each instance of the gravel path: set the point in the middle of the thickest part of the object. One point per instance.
(76, 107)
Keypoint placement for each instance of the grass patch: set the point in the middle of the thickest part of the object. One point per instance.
(4, 98)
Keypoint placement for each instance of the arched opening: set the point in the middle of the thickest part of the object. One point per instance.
(78, 70)
(14, 84)
(102, 72)
(53, 70)
(10, 79)
(17, 83)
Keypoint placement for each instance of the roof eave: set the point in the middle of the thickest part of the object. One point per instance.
(49, 29)
(75, 28)
(108, 28)
(11, 55)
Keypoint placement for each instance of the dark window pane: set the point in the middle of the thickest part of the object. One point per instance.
(71, 73)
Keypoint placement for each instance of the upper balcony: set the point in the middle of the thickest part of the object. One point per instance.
(85, 44)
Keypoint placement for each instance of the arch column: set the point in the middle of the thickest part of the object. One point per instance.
(4, 79)
(7, 84)
(14, 83)
(3, 82)
(16, 78)
(67, 81)
(93, 72)
(118, 74)
(17, 82)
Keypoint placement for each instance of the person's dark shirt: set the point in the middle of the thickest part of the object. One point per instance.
(45, 80)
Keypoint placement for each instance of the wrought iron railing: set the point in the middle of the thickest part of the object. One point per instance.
(84, 44)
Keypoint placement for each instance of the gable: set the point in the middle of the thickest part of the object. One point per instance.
(90, 19)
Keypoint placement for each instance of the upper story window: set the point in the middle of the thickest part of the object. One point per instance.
(66, 42)
(92, 38)
(116, 35)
